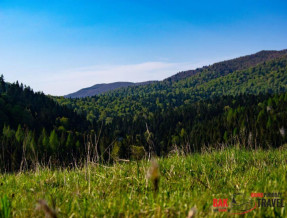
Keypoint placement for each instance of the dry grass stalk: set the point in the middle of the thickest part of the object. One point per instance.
(49, 213)
(154, 175)
(192, 212)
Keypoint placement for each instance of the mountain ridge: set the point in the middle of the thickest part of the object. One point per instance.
(103, 88)
(217, 69)
(266, 77)
(234, 64)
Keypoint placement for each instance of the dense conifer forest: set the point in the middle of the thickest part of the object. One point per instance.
(240, 102)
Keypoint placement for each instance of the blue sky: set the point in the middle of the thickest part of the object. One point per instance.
(61, 46)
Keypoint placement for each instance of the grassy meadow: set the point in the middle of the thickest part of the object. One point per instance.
(125, 190)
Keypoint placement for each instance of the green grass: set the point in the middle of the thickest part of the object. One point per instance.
(123, 190)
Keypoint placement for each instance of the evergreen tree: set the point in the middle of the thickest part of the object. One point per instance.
(54, 141)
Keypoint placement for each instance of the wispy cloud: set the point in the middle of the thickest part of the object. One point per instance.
(74, 79)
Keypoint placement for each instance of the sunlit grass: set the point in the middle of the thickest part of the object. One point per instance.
(123, 189)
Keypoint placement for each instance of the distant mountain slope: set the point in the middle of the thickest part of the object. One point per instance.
(215, 70)
(267, 77)
(225, 67)
(102, 88)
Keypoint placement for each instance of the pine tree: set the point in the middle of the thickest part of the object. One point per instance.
(19, 134)
(53, 140)
(2, 84)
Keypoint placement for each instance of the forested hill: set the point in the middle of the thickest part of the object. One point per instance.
(19, 105)
(103, 88)
(267, 77)
(35, 129)
(225, 67)
(250, 121)
(217, 69)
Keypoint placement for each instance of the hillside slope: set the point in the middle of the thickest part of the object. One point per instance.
(268, 77)
(20, 105)
(228, 66)
(218, 69)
